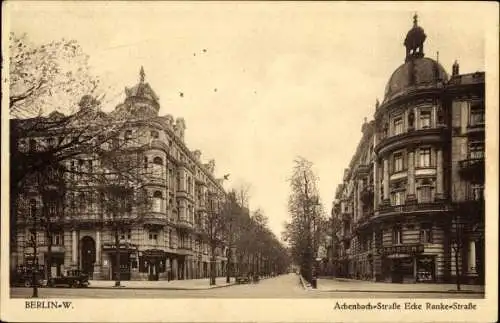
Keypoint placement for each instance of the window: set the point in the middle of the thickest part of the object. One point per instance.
(128, 135)
(426, 233)
(155, 134)
(57, 238)
(398, 162)
(425, 119)
(425, 194)
(424, 157)
(157, 199)
(398, 126)
(125, 234)
(476, 150)
(158, 167)
(153, 235)
(476, 114)
(146, 163)
(398, 197)
(397, 237)
(476, 192)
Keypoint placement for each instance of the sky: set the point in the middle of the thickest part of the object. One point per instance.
(262, 83)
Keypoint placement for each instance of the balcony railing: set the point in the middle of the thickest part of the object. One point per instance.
(407, 208)
(473, 167)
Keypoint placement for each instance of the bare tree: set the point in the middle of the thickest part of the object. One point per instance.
(302, 232)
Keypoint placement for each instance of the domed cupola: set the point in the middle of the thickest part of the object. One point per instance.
(417, 72)
(140, 99)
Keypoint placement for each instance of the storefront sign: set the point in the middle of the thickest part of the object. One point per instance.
(154, 253)
(112, 246)
(408, 249)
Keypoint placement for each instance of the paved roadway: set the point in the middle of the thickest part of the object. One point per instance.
(286, 286)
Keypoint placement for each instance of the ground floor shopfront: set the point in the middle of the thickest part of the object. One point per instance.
(84, 251)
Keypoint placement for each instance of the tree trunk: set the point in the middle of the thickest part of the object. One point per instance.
(118, 265)
(228, 268)
(212, 266)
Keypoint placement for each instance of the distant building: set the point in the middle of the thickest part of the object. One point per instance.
(412, 197)
(166, 242)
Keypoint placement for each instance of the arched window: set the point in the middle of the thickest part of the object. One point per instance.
(158, 167)
(157, 201)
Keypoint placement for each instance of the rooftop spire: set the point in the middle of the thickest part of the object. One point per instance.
(415, 20)
(142, 75)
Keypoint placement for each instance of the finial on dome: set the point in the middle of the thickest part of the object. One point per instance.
(142, 75)
(455, 69)
(414, 41)
(377, 104)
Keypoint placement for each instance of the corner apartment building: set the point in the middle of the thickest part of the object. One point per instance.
(166, 242)
(411, 202)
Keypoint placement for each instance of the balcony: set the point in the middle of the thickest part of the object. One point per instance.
(410, 208)
(472, 168)
(184, 224)
(420, 136)
(155, 218)
(346, 215)
(361, 170)
(367, 195)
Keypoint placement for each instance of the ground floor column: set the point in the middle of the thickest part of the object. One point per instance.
(74, 248)
(471, 268)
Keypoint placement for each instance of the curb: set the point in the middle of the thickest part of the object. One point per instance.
(303, 283)
(161, 288)
(403, 291)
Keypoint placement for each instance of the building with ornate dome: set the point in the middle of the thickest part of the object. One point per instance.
(411, 203)
(167, 241)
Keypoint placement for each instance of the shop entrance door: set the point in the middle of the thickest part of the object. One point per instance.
(153, 271)
(397, 271)
(88, 253)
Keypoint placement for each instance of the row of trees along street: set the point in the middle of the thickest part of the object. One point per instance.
(308, 227)
(76, 160)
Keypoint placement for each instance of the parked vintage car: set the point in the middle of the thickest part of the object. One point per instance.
(243, 280)
(23, 276)
(73, 278)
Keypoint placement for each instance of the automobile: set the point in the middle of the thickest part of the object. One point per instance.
(23, 277)
(73, 278)
(243, 280)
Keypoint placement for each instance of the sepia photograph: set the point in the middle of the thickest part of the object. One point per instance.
(249, 161)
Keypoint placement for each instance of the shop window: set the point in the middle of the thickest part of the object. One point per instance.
(397, 236)
(476, 150)
(398, 162)
(134, 264)
(398, 126)
(426, 233)
(424, 157)
(425, 119)
(425, 194)
(476, 116)
(143, 265)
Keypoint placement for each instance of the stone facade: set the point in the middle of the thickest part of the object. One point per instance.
(411, 203)
(167, 242)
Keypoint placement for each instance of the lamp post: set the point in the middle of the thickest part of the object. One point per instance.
(34, 270)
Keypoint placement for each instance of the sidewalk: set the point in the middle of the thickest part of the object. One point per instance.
(352, 285)
(188, 284)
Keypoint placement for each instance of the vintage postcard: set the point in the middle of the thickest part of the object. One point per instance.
(249, 161)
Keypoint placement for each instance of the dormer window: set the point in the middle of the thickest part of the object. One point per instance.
(155, 134)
